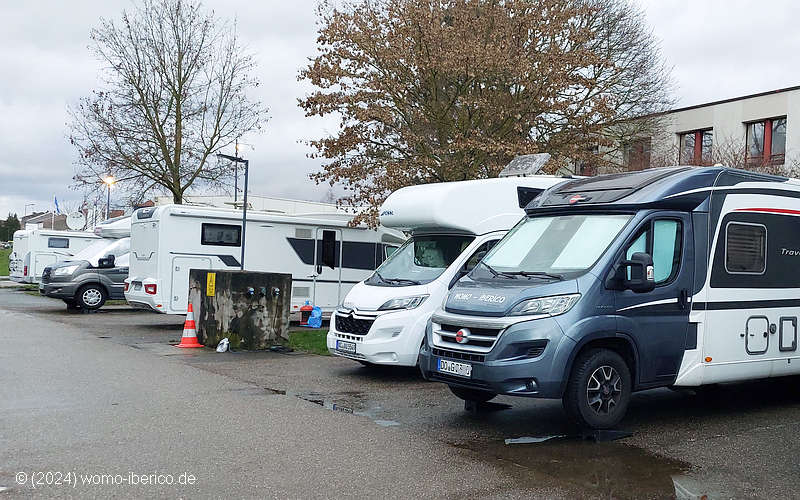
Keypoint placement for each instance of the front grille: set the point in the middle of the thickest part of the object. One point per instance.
(444, 353)
(478, 337)
(355, 326)
(46, 274)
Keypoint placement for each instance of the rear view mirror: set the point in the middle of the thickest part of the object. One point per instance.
(641, 277)
(106, 262)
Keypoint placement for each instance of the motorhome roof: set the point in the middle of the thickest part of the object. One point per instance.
(325, 219)
(681, 187)
(476, 206)
(119, 227)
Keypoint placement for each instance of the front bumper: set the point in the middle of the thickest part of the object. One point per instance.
(393, 338)
(507, 368)
(59, 289)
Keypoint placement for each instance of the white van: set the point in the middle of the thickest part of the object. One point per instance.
(324, 255)
(35, 249)
(452, 225)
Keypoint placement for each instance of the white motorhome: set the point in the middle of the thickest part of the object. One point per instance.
(35, 249)
(452, 225)
(324, 255)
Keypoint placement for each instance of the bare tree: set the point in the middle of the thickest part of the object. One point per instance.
(444, 90)
(176, 82)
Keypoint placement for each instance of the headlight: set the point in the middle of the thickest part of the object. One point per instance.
(403, 303)
(65, 271)
(552, 306)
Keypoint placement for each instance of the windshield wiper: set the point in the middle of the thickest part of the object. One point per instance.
(376, 273)
(495, 272)
(537, 274)
(401, 280)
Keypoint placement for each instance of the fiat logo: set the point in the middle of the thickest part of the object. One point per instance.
(462, 336)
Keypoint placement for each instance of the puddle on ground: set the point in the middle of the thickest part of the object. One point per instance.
(353, 403)
(588, 469)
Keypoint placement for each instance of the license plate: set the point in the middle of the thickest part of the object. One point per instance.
(453, 368)
(343, 346)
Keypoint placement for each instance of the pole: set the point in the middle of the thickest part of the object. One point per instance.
(244, 208)
(108, 202)
(236, 175)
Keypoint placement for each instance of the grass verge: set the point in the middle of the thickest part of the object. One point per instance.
(4, 253)
(309, 340)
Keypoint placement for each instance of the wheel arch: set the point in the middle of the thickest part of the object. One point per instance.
(620, 343)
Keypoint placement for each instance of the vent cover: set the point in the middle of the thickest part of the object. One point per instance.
(302, 233)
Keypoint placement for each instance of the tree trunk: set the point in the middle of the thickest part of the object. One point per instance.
(177, 198)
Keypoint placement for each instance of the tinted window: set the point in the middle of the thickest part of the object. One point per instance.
(221, 235)
(57, 243)
(745, 248)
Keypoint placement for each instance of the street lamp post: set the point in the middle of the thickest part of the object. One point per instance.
(238, 160)
(109, 181)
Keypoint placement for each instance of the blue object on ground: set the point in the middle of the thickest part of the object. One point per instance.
(315, 320)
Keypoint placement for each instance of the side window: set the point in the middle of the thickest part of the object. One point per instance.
(745, 248)
(479, 253)
(389, 250)
(58, 243)
(661, 238)
(221, 235)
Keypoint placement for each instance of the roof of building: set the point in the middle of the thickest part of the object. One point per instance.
(733, 99)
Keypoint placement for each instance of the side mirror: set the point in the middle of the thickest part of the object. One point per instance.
(642, 276)
(106, 262)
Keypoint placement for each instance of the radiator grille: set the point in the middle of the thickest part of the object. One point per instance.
(355, 326)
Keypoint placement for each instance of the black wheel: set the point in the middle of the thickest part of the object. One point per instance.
(91, 297)
(475, 395)
(599, 389)
(71, 304)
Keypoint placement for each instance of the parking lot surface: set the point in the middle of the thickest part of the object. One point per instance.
(107, 392)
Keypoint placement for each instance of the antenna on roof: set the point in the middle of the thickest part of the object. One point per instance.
(525, 165)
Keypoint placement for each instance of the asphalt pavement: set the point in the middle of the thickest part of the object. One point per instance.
(106, 399)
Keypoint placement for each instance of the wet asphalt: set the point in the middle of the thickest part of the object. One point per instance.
(257, 424)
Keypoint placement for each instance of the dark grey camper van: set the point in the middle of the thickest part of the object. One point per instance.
(678, 276)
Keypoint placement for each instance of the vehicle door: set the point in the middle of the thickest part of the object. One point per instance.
(658, 320)
(327, 276)
(114, 278)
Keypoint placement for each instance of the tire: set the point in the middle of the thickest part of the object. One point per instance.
(91, 297)
(598, 390)
(71, 304)
(474, 395)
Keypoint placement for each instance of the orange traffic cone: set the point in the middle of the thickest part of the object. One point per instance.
(189, 338)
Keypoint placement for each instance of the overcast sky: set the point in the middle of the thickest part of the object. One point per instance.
(718, 48)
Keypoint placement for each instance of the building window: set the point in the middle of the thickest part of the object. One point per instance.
(697, 147)
(636, 154)
(766, 142)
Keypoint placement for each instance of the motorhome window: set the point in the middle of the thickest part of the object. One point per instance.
(389, 250)
(745, 248)
(478, 254)
(221, 235)
(329, 249)
(662, 240)
(566, 245)
(58, 243)
(421, 259)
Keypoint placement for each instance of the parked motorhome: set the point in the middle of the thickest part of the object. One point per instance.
(35, 249)
(680, 276)
(452, 225)
(324, 255)
(95, 274)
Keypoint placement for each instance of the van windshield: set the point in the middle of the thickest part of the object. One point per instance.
(103, 248)
(554, 247)
(421, 259)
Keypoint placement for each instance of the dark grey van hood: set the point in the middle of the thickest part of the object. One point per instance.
(496, 297)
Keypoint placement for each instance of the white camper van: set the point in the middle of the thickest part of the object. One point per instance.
(324, 255)
(35, 249)
(453, 224)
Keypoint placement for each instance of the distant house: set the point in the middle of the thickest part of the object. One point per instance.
(45, 220)
(758, 131)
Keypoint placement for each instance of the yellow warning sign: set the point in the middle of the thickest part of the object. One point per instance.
(211, 284)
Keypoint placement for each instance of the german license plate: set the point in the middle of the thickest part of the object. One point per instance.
(343, 346)
(453, 368)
